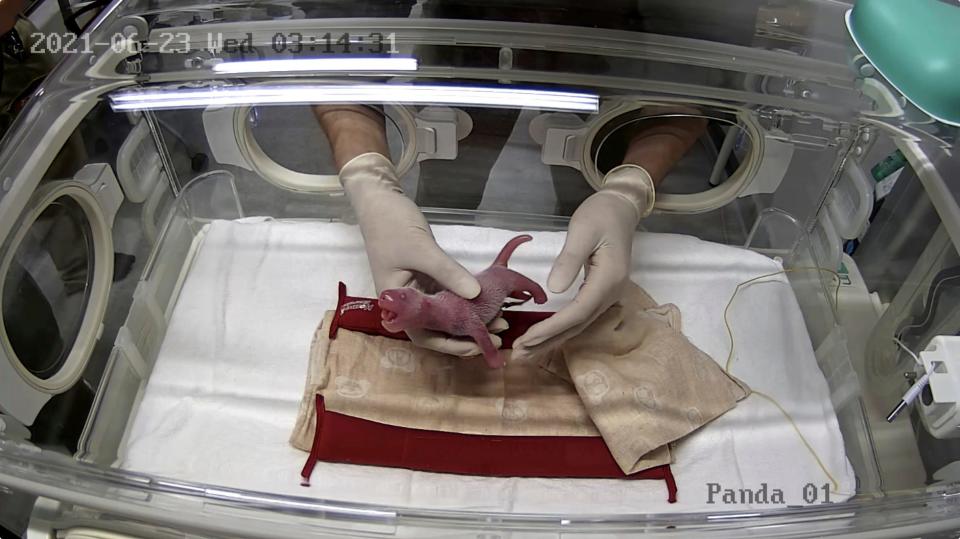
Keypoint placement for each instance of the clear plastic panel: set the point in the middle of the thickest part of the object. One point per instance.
(782, 117)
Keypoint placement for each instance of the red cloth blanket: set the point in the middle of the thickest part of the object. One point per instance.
(345, 439)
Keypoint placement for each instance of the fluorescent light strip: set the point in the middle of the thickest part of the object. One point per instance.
(362, 93)
(318, 64)
(380, 90)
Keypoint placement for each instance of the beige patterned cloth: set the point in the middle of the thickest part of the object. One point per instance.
(631, 378)
(642, 382)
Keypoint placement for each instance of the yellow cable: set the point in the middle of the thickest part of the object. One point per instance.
(816, 457)
(726, 368)
(736, 291)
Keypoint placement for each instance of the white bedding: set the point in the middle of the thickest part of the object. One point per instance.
(223, 395)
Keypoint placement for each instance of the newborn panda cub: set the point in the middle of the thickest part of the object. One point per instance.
(408, 308)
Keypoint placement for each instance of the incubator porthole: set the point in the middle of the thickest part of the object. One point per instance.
(46, 288)
(719, 167)
(713, 159)
(286, 145)
(57, 269)
(291, 136)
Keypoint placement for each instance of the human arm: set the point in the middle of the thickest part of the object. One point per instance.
(601, 231)
(352, 130)
(400, 246)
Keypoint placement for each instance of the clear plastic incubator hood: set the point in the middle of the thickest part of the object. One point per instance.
(173, 235)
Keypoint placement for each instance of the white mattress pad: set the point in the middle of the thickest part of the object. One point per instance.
(223, 395)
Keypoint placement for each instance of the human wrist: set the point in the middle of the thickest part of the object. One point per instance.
(633, 184)
(370, 184)
(369, 170)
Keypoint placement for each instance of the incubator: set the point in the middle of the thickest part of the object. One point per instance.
(173, 230)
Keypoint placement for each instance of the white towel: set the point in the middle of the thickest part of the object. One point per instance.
(224, 392)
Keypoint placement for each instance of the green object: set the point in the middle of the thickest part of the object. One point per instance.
(914, 44)
(888, 166)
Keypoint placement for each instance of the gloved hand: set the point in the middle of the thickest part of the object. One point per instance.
(600, 240)
(401, 248)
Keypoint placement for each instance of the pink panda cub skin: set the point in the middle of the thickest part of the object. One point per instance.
(408, 308)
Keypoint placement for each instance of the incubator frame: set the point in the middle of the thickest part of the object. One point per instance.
(111, 493)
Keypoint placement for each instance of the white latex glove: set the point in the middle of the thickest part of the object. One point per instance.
(600, 240)
(401, 248)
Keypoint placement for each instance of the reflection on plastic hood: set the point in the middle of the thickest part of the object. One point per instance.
(318, 64)
(362, 93)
